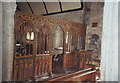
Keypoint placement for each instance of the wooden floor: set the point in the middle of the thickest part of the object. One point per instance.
(55, 75)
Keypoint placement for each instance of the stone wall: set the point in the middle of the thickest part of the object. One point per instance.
(94, 29)
(75, 16)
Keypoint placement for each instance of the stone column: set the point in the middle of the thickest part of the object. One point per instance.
(8, 10)
(119, 38)
(0, 41)
(109, 50)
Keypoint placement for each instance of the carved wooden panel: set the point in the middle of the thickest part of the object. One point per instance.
(23, 69)
(77, 59)
(71, 61)
(26, 69)
(43, 65)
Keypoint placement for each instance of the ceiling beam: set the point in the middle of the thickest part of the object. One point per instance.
(60, 5)
(18, 7)
(30, 7)
(62, 12)
(77, 9)
(82, 5)
(45, 7)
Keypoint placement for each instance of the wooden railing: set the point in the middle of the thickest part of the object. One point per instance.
(43, 65)
(77, 59)
(83, 75)
(86, 55)
(31, 67)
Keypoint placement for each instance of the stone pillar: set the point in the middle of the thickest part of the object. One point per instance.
(0, 41)
(8, 10)
(109, 49)
(119, 37)
(96, 16)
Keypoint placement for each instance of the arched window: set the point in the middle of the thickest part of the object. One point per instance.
(28, 36)
(95, 36)
(32, 35)
(58, 38)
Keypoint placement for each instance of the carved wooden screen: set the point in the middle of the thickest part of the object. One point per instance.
(39, 41)
(24, 51)
(24, 39)
(29, 43)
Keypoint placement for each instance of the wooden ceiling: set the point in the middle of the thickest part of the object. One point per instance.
(48, 8)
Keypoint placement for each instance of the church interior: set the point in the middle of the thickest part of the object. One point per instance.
(57, 41)
(55, 45)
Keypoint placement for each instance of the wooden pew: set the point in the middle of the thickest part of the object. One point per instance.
(83, 75)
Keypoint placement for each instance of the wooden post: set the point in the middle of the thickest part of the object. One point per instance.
(51, 52)
(34, 55)
(51, 44)
(64, 52)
